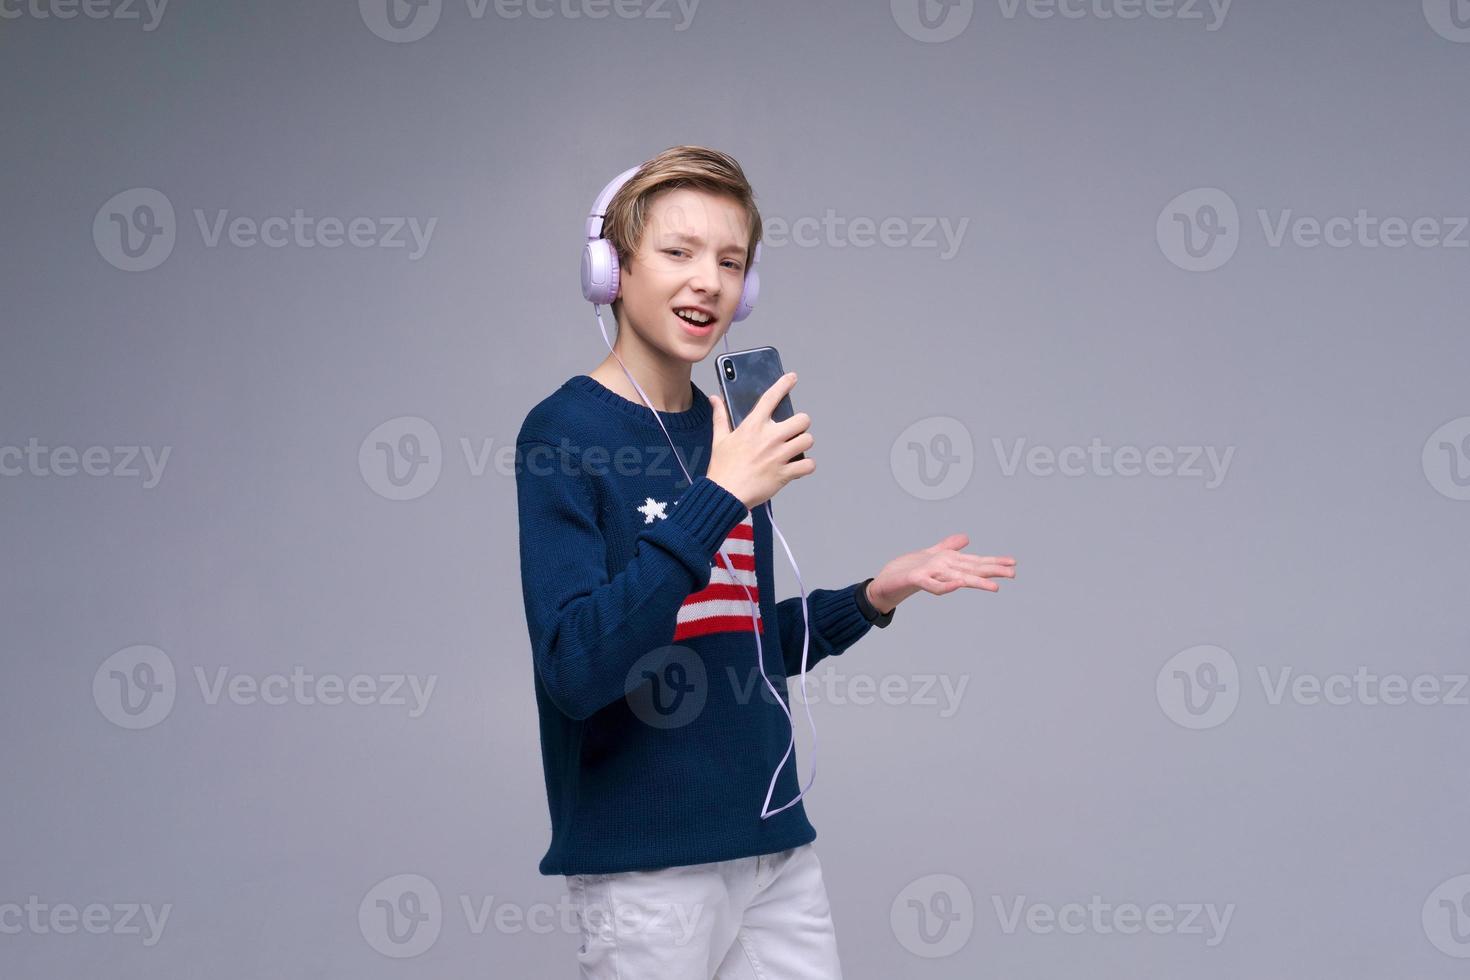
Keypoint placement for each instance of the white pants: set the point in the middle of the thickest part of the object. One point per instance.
(756, 918)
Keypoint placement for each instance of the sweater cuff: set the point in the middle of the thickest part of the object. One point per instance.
(836, 617)
(701, 520)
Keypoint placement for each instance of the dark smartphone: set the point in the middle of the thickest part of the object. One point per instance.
(744, 376)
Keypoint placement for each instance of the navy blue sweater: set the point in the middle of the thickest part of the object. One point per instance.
(658, 736)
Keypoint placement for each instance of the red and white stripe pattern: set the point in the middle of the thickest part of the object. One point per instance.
(722, 606)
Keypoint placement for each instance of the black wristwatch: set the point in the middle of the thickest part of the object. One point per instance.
(869, 611)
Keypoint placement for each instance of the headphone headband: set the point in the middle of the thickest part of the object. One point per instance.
(599, 207)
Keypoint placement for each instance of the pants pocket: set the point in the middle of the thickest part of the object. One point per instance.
(594, 918)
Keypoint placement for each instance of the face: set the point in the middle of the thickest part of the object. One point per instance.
(691, 259)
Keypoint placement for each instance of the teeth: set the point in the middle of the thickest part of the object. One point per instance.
(694, 316)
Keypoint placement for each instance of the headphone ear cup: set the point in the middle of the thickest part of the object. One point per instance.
(748, 295)
(599, 272)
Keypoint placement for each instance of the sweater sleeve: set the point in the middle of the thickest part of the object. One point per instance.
(588, 629)
(837, 623)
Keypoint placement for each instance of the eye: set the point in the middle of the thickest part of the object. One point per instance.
(671, 251)
(735, 265)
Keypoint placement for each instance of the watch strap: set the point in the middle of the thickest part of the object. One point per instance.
(869, 611)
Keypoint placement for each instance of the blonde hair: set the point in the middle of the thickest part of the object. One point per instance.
(696, 167)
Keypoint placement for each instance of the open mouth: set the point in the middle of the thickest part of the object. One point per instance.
(697, 323)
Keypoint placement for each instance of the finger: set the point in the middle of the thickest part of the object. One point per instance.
(989, 560)
(798, 469)
(798, 444)
(721, 421)
(798, 423)
(772, 396)
(940, 583)
(953, 542)
(972, 582)
(979, 566)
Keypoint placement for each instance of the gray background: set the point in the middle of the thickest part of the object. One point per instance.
(1330, 545)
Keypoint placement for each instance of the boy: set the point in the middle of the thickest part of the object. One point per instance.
(658, 741)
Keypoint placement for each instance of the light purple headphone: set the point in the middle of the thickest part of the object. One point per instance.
(600, 259)
(600, 286)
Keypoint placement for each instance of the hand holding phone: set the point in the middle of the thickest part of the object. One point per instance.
(760, 455)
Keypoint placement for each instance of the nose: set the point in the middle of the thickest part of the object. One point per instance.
(705, 276)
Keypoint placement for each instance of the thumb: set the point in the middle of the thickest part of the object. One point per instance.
(721, 420)
(953, 542)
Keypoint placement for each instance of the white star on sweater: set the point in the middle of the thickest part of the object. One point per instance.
(652, 508)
